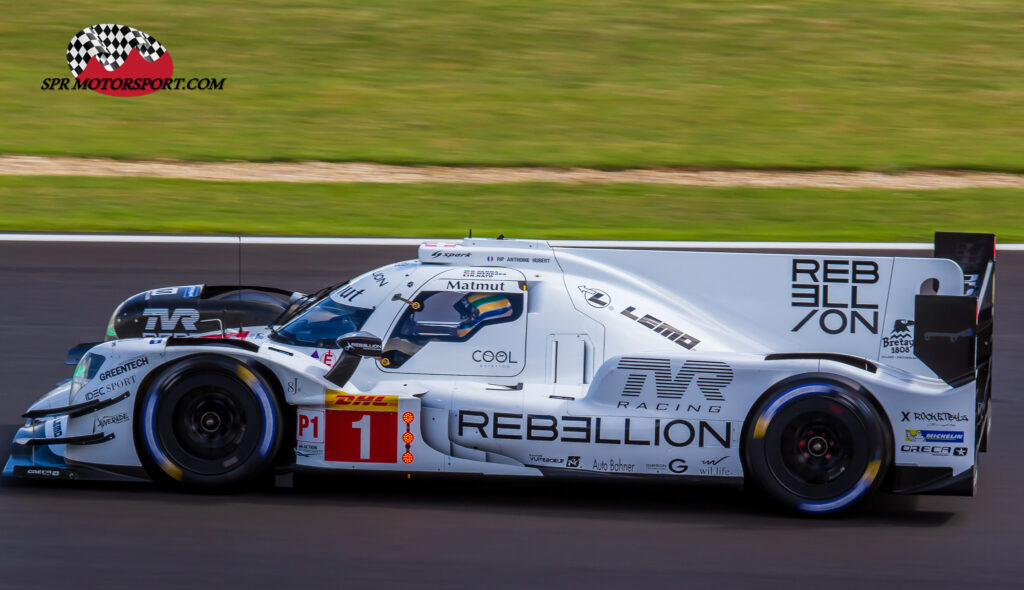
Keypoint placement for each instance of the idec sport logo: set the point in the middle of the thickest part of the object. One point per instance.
(118, 60)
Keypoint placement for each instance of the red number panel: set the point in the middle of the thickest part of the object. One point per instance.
(367, 437)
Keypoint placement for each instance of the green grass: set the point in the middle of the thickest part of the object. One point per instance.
(607, 83)
(549, 211)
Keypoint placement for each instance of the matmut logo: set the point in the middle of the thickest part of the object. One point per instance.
(339, 400)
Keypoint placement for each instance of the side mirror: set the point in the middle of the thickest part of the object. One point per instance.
(361, 344)
(416, 305)
(355, 346)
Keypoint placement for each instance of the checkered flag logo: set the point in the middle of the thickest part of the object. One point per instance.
(111, 44)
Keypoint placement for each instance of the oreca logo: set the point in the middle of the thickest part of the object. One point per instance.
(119, 61)
(494, 356)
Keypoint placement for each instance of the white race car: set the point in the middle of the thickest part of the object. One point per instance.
(816, 379)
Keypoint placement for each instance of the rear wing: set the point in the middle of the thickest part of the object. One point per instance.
(953, 334)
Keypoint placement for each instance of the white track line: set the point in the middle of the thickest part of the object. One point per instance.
(324, 241)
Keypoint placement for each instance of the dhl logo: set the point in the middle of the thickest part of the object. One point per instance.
(339, 400)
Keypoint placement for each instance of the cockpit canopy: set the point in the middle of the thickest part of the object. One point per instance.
(454, 315)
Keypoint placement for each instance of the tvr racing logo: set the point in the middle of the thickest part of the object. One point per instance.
(119, 60)
(710, 377)
(169, 321)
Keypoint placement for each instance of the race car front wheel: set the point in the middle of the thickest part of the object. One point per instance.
(817, 445)
(209, 421)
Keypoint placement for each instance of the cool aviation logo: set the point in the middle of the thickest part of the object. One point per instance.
(118, 61)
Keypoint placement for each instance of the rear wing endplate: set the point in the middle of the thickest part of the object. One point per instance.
(953, 334)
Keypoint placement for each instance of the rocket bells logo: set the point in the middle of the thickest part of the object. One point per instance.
(117, 60)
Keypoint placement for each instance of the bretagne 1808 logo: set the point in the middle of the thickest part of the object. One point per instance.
(118, 60)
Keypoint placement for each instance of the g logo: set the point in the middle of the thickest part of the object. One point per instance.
(677, 466)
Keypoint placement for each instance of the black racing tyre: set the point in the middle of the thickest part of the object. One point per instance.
(817, 445)
(209, 422)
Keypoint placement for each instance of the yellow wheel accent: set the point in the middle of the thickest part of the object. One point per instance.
(171, 470)
(871, 472)
(246, 375)
(761, 427)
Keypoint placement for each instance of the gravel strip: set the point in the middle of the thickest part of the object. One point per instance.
(14, 165)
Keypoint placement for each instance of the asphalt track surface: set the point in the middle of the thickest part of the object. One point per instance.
(435, 532)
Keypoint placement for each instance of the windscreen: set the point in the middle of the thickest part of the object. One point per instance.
(320, 325)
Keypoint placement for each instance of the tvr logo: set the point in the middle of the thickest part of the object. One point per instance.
(169, 320)
(711, 378)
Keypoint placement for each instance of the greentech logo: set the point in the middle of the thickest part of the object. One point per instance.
(117, 60)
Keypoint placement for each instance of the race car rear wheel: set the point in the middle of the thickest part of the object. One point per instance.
(209, 422)
(817, 446)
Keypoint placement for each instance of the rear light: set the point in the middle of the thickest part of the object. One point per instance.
(407, 437)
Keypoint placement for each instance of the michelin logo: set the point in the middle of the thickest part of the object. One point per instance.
(938, 436)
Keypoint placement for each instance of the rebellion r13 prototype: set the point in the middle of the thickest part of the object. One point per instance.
(816, 379)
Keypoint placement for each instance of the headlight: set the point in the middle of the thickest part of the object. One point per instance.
(85, 371)
(111, 326)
